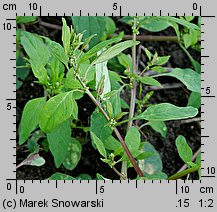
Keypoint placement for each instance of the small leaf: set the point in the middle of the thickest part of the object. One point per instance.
(60, 176)
(33, 160)
(148, 81)
(111, 143)
(59, 140)
(194, 100)
(99, 145)
(148, 54)
(30, 118)
(93, 51)
(114, 51)
(167, 111)
(183, 148)
(133, 139)
(125, 61)
(162, 60)
(58, 109)
(99, 126)
(188, 77)
(159, 126)
(66, 36)
(159, 69)
(120, 115)
(73, 155)
(109, 108)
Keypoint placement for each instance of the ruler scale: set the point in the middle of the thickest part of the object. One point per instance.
(45, 195)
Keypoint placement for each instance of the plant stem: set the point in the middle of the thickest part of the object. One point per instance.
(183, 173)
(133, 93)
(118, 173)
(123, 143)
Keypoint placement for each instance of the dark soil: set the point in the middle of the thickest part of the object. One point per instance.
(90, 162)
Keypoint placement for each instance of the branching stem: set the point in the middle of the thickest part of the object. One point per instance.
(123, 143)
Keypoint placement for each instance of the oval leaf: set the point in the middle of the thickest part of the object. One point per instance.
(133, 139)
(184, 149)
(57, 110)
(73, 155)
(188, 77)
(59, 140)
(99, 145)
(30, 118)
(167, 111)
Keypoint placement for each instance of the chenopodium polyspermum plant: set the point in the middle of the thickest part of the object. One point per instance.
(69, 71)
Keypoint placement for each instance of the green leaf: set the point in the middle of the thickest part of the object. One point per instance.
(66, 36)
(148, 54)
(39, 71)
(58, 109)
(154, 24)
(114, 51)
(159, 126)
(89, 25)
(148, 81)
(162, 60)
(99, 126)
(144, 155)
(125, 61)
(30, 118)
(93, 51)
(99, 145)
(40, 161)
(35, 48)
(73, 155)
(167, 111)
(111, 143)
(60, 176)
(188, 77)
(100, 177)
(198, 162)
(194, 100)
(133, 139)
(183, 148)
(33, 159)
(181, 22)
(58, 51)
(110, 26)
(21, 73)
(102, 73)
(26, 19)
(159, 69)
(152, 164)
(157, 176)
(116, 103)
(59, 140)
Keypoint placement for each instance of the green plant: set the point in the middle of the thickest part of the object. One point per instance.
(80, 66)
